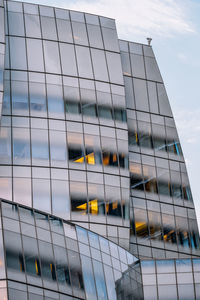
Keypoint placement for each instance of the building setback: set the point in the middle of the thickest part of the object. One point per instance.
(95, 197)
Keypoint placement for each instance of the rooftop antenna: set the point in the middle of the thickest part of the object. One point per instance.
(149, 41)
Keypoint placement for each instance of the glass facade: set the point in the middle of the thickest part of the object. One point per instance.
(64, 136)
(162, 216)
(49, 258)
(96, 202)
(171, 279)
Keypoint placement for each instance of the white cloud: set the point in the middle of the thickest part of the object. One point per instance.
(188, 123)
(182, 57)
(144, 17)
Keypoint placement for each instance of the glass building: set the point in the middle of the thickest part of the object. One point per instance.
(95, 201)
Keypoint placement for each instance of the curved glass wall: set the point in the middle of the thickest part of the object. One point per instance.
(61, 258)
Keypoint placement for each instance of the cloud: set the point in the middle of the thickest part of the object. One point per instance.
(188, 123)
(144, 17)
(182, 57)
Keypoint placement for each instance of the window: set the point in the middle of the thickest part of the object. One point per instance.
(31, 257)
(35, 55)
(110, 159)
(58, 149)
(89, 109)
(21, 146)
(120, 115)
(72, 107)
(18, 53)
(20, 98)
(105, 112)
(38, 106)
(40, 148)
(51, 55)
(76, 154)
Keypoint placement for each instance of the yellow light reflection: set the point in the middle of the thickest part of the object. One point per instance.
(83, 208)
(90, 158)
(93, 207)
(140, 225)
(114, 205)
(136, 137)
(79, 160)
(167, 235)
(106, 159)
(36, 267)
(114, 157)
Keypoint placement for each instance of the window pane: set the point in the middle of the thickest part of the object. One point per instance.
(51, 56)
(129, 95)
(62, 270)
(18, 53)
(110, 39)
(22, 191)
(88, 278)
(89, 109)
(48, 28)
(80, 34)
(64, 31)
(55, 101)
(137, 64)
(84, 62)
(68, 60)
(76, 274)
(72, 108)
(6, 188)
(105, 112)
(5, 145)
(60, 198)
(13, 19)
(20, 98)
(58, 149)
(114, 67)
(35, 55)
(14, 256)
(37, 99)
(40, 150)
(110, 282)
(32, 26)
(2, 27)
(31, 257)
(21, 146)
(95, 37)
(99, 65)
(100, 280)
(41, 195)
(47, 265)
(141, 97)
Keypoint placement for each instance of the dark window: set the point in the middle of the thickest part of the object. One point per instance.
(123, 161)
(137, 182)
(120, 114)
(133, 138)
(110, 159)
(72, 107)
(145, 140)
(92, 156)
(89, 109)
(105, 112)
(76, 155)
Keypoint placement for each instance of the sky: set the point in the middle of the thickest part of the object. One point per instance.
(174, 26)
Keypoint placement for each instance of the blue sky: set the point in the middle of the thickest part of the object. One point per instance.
(174, 26)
